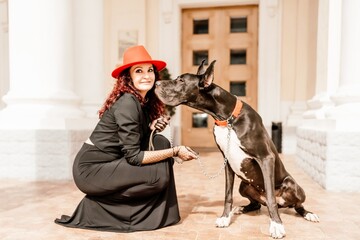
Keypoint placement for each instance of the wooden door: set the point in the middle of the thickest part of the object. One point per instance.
(228, 35)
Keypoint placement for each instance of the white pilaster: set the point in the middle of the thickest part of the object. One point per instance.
(89, 54)
(269, 60)
(347, 98)
(328, 58)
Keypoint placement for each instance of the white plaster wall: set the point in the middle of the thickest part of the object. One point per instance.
(89, 55)
(121, 16)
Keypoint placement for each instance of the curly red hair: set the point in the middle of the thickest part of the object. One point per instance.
(124, 85)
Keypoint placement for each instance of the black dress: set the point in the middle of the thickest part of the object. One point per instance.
(121, 194)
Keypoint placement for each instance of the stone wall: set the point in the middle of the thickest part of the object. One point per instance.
(331, 158)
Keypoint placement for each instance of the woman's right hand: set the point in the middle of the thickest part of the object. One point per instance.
(160, 123)
(186, 153)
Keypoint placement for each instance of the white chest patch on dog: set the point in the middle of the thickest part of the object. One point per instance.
(231, 149)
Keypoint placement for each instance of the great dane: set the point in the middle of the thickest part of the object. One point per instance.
(245, 143)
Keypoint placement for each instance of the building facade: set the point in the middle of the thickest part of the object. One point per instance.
(293, 60)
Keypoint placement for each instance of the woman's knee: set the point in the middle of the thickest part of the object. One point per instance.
(161, 142)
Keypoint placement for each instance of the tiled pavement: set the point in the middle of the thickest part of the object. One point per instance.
(27, 210)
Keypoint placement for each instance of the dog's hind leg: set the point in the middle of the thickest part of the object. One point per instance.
(225, 219)
(293, 195)
(251, 193)
(312, 217)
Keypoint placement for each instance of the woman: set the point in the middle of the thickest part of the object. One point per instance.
(127, 187)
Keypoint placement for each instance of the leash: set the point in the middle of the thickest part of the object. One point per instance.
(225, 158)
(226, 123)
(152, 148)
(202, 166)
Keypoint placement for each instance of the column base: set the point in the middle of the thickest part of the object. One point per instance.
(39, 154)
(295, 116)
(40, 141)
(346, 116)
(318, 106)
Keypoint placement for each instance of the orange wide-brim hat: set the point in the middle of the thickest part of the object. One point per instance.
(136, 55)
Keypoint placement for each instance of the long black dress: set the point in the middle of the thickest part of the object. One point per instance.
(121, 194)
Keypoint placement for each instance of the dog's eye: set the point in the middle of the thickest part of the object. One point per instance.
(181, 80)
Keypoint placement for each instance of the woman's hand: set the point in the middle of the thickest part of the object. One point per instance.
(185, 153)
(160, 123)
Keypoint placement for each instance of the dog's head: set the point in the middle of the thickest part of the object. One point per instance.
(187, 87)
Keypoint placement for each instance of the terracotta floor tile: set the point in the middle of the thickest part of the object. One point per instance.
(28, 209)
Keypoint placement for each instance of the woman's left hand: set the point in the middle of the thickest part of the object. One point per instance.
(160, 123)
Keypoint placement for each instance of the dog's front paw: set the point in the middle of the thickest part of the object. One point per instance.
(223, 222)
(276, 230)
(312, 217)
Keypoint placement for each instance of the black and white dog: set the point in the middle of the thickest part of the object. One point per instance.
(244, 141)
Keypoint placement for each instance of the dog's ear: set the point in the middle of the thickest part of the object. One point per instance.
(201, 68)
(208, 76)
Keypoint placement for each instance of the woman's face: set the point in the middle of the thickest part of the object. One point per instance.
(143, 77)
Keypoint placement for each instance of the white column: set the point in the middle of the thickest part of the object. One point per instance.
(269, 61)
(41, 49)
(89, 54)
(347, 98)
(328, 58)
